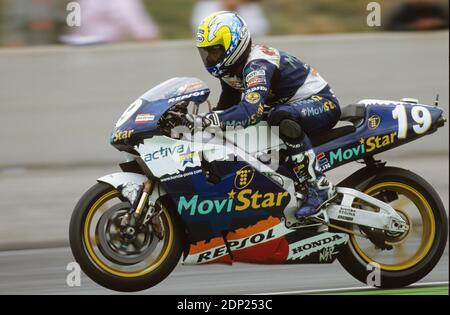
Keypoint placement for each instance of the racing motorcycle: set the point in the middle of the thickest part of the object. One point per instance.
(207, 202)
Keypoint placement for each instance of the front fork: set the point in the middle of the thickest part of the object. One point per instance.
(144, 211)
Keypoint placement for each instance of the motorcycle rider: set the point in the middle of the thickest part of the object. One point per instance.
(301, 101)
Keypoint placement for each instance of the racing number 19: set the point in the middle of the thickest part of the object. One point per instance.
(419, 114)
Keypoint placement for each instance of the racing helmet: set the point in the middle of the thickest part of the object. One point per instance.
(223, 41)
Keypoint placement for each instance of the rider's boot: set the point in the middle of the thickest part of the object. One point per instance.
(313, 188)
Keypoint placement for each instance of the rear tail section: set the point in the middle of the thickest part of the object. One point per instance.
(375, 126)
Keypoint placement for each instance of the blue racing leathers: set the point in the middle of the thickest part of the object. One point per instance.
(275, 78)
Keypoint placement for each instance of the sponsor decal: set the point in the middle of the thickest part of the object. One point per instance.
(252, 240)
(252, 97)
(181, 175)
(129, 112)
(303, 248)
(189, 87)
(297, 169)
(378, 142)
(143, 118)
(301, 168)
(278, 101)
(314, 111)
(244, 177)
(256, 88)
(164, 152)
(326, 255)
(187, 157)
(193, 86)
(186, 96)
(256, 81)
(244, 123)
(236, 245)
(374, 121)
(255, 73)
(256, 77)
(122, 135)
(194, 206)
(366, 145)
(343, 155)
(323, 162)
(262, 233)
(347, 214)
(236, 200)
(254, 118)
(200, 38)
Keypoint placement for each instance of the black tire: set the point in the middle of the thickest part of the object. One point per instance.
(357, 266)
(101, 276)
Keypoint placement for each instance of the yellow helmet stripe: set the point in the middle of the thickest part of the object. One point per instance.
(213, 33)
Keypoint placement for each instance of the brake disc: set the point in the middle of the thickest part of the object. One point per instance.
(117, 243)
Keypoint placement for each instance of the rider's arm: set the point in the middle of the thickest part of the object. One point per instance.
(228, 97)
(249, 111)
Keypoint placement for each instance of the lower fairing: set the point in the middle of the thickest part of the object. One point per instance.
(268, 242)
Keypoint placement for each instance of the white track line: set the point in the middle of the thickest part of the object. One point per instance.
(347, 289)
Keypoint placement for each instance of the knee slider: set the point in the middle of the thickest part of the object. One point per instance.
(290, 130)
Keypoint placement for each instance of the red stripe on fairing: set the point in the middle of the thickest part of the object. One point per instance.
(272, 252)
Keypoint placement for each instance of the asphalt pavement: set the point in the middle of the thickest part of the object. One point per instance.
(44, 271)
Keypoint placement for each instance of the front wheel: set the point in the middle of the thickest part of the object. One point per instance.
(114, 258)
(412, 255)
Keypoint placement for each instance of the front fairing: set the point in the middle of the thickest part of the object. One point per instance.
(141, 118)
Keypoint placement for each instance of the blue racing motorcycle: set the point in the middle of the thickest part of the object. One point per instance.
(222, 197)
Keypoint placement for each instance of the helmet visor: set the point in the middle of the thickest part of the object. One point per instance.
(212, 55)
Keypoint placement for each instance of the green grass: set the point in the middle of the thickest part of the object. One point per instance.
(438, 290)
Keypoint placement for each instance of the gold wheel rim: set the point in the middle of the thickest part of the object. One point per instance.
(93, 256)
(428, 221)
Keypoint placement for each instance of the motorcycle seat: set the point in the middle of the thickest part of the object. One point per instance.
(330, 135)
(354, 113)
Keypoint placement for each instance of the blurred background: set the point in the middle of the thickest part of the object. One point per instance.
(34, 22)
(63, 87)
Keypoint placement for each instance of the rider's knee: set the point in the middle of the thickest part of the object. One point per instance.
(289, 128)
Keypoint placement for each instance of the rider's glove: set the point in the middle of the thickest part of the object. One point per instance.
(201, 122)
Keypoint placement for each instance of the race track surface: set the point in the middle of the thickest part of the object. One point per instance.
(44, 272)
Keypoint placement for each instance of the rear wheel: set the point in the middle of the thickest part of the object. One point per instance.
(414, 253)
(121, 258)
